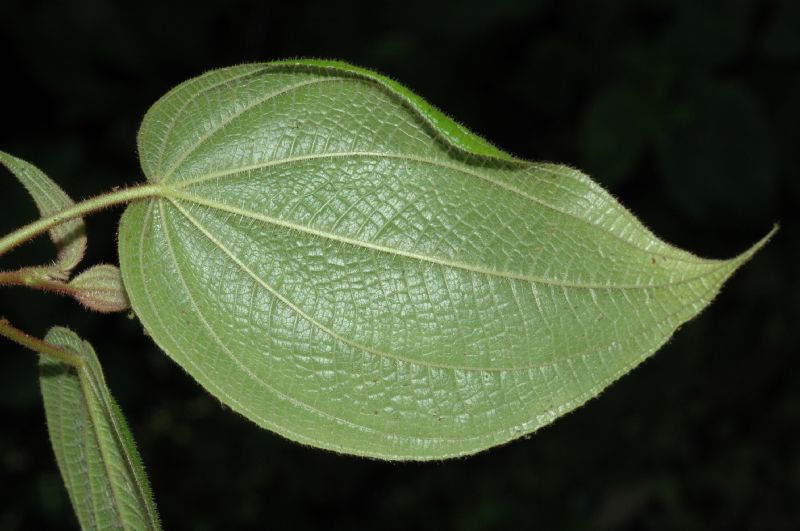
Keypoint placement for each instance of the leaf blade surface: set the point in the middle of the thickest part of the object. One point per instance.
(357, 272)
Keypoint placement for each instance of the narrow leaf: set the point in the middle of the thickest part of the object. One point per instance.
(339, 262)
(93, 445)
(69, 237)
(100, 288)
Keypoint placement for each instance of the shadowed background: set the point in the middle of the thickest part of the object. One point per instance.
(687, 111)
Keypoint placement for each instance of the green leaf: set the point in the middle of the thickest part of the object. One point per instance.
(93, 445)
(69, 237)
(339, 262)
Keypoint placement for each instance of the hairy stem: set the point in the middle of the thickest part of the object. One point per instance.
(38, 278)
(88, 206)
(19, 337)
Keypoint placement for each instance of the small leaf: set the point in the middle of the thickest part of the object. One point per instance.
(100, 288)
(69, 237)
(343, 264)
(94, 449)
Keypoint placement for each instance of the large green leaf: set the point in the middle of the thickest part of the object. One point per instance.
(93, 446)
(69, 237)
(341, 263)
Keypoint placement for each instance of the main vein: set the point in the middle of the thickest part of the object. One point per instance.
(300, 312)
(174, 195)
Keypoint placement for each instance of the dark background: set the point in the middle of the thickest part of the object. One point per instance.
(688, 111)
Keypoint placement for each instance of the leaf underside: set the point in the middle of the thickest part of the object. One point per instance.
(69, 237)
(341, 263)
(94, 449)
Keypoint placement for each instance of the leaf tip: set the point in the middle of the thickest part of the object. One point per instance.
(749, 253)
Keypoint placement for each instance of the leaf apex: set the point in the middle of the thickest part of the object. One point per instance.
(742, 258)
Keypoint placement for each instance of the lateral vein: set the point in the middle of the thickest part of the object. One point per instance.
(218, 127)
(181, 185)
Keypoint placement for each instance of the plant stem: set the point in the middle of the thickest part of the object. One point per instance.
(37, 345)
(39, 278)
(88, 206)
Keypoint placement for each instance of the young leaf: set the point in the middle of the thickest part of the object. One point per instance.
(341, 263)
(69, 237)
(100, 288)
(93, 445)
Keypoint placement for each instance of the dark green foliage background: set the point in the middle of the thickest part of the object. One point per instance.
(688, 111)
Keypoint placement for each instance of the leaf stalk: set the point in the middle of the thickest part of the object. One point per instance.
(43, 278)
(19, 337)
